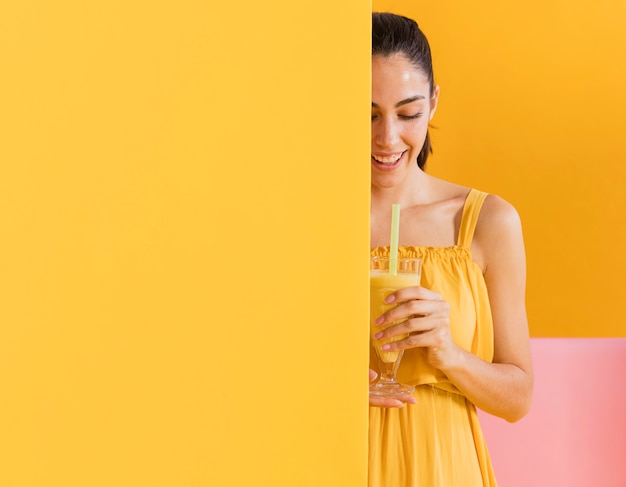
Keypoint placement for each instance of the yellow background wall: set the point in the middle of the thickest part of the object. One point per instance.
(532, 108)
(184, 242)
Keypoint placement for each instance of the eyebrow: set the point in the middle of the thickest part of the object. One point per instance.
(405, 101)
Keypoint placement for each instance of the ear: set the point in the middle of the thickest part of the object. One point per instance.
(434, 101)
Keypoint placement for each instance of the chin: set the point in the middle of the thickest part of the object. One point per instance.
(384, 183)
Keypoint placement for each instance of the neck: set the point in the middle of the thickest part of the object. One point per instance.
(411, 191)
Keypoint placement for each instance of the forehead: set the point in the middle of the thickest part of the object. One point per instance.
(396, 77)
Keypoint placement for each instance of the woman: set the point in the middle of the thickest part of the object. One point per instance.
(468, 343)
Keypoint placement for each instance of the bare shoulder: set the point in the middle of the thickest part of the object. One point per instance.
(498, 232)
(447, 190)
(497, 213)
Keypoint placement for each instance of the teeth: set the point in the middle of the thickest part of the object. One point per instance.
(388, 159)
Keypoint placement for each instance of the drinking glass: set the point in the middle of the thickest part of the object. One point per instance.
(382, 284)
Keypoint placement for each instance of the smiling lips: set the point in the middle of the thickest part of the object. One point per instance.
(388, 159)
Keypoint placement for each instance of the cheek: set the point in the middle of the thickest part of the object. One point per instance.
(417, 131)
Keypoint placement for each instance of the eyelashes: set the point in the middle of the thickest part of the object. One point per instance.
(404, 117)
(410, 117)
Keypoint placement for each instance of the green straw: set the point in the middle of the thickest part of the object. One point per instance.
(393, 248)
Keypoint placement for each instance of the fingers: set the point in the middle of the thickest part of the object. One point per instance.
(410, 293)
(392, 402)
(413, 307)
(424, 316)
(387, 401)
(373, 375)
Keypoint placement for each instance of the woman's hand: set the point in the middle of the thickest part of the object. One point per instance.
(388, 401)
(426, 322)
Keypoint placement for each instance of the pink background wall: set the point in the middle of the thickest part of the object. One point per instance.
(575, 434)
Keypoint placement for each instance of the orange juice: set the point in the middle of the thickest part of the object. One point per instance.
(382, 284)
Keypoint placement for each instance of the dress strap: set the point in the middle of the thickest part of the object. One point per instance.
(471, 210)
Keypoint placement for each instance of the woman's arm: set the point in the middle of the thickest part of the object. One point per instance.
(503, 388)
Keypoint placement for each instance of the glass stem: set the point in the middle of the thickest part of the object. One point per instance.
(388, 371)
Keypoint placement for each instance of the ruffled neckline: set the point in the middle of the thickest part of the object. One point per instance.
(413, 250)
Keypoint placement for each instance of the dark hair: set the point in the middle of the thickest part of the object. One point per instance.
(395, 34)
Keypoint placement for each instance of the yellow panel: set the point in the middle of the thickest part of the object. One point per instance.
(532, 106)
(184, 216)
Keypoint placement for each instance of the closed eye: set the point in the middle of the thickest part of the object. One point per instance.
(410, 117)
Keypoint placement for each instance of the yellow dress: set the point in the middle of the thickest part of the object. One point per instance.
(438, 442)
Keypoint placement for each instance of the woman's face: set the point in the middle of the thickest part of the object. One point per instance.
(402, 106)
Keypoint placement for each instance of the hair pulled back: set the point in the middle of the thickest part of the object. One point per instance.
(395, 34)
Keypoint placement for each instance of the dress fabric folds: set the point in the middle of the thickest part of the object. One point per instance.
(438, 442)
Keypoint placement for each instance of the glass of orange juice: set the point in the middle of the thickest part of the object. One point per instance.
(384, 280)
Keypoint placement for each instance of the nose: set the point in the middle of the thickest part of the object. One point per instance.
(385, 133)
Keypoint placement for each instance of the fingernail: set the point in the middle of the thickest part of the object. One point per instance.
(385, 347)
(380, 320)
(390, 299)
(378, 335)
